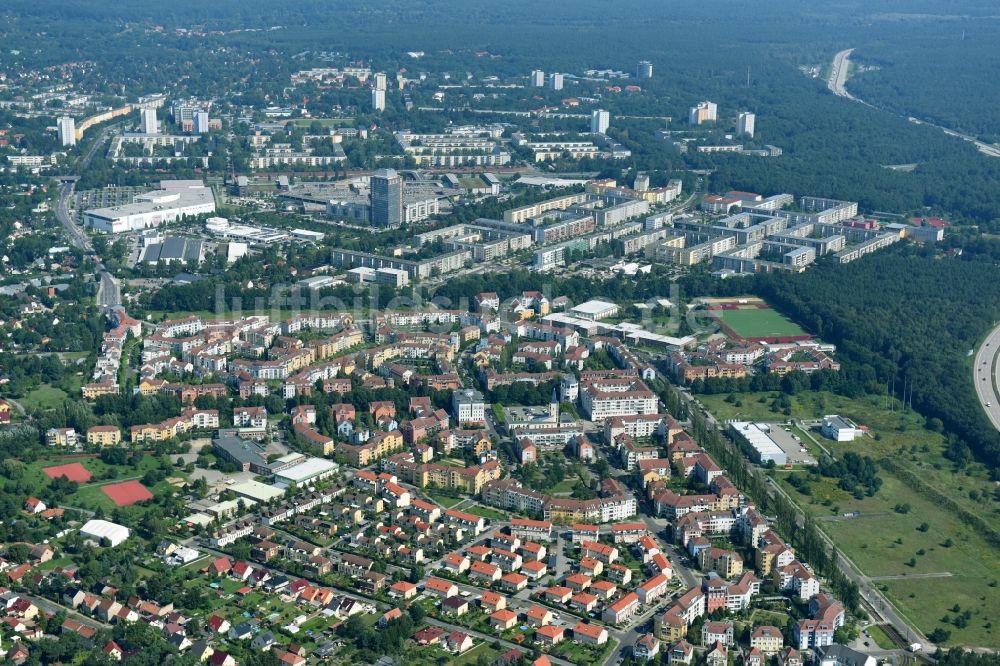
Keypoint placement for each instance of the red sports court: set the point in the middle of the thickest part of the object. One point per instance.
(126, 492)
(72, 471)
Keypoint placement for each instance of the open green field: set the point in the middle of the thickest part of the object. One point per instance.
(899, 436)
(928, 571)
(921, 573)
(753, 322)
(43, 397)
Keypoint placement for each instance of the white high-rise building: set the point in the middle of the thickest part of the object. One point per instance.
(538, 78)
(378, 99)
(745, 123)
(149, 124)
(703, 113)
(556, 81)
(67, 131)
(201, 122)
(380, 81)
(599, 121)
(644, 70)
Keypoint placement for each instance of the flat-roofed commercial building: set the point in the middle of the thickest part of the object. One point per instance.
(595, 310)
(313, 469)
(174, 200)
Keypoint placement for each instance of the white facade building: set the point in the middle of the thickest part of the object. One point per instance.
(201, 122)
(605, 398)
(600, 120)
(67, 131)
(839, 429)
(149, 123)
(174, 200)
(97, 530)
(745, 123)
(469, 406)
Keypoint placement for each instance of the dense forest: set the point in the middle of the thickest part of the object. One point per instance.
(904, 316)
(931, 77)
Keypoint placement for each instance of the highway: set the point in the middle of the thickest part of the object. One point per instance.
(838, 78)
(838, 74)
(984, 148)
(108, 289)
(985, 377)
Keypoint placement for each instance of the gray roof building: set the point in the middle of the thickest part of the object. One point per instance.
(248, 455)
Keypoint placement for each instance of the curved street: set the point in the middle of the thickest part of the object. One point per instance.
(985, 376)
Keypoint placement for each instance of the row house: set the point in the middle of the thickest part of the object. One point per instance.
(653, 589)
(622, 610)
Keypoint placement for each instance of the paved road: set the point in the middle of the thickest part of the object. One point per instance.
(838, 79)
(937, 574)
(108, 289)
(985, 379)
(838, 74)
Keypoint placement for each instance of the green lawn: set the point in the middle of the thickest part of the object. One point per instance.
(752, 322)
(564, 486)
(883, 542)
(90, 495)
(444, 500)
(44, 397)
(486, 512)
(773, 618)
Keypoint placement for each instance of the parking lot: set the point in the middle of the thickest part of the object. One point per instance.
(107, 197)
(790, 444)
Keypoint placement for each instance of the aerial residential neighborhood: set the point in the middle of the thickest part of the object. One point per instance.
(426, 333)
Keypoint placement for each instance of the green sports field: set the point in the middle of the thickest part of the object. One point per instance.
(758, 323)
